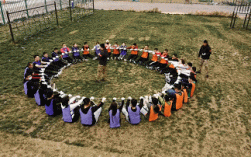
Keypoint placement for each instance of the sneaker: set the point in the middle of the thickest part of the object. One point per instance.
(207, 76)
(97, 81)
(125, 60)
(86, 60)
(103, 80)
(198, 72)
(95, 58)
(108, 58)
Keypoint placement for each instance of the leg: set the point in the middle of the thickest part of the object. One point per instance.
(104, 72)
(206, 67)
(99, 72)
(97, 114)
(201, 64)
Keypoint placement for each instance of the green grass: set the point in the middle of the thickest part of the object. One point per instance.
(216, 122)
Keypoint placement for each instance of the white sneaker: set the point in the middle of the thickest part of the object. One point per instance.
(108, 58)
(86, 60)
(125, 60)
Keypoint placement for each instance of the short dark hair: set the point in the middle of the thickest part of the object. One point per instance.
(205, 41)
(183, 61)
(175, 54)
(190, 64)
(155, 101)
(167, 98)
(65, 101)
(102, 45)
(177, 86)
(194, 69)
(63, 44)
(134, 102)
(55, 49)
(45, 53)
(156, 49)
(97, 42)
(35, 56)
(29, 63)
(85, 43)
(86, 101)
(166, 50)
(134, 44)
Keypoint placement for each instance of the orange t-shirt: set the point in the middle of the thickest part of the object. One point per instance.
(144, 54)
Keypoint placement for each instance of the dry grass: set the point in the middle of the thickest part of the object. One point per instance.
(216, 122)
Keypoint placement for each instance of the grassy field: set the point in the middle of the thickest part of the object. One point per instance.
(215, 123)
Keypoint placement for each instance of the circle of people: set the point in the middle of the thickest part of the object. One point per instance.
(180, 81)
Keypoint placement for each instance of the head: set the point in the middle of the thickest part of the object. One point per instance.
(97, 43)
(85, 43)
(146, 47)
(155, 101)
(36, 58)
(49, 94)
(30, 65)
(177, 87)
(205, 43)
(183, 61)
(116, 43)
(166, 50)
(102, 46)
(156, 49)
(134, 102)
(190, 64)
(167, 98)
(86, 102)
(113, 107)
(134, 44)
(123, 44)
(64, 45)
(56, 50)
(45, 54)
(175, 56)
(75, 45)
(194, 69)
(65, 101)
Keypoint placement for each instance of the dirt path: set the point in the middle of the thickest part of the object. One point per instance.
(171, 8)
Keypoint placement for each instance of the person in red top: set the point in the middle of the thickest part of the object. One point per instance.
(108, 48)
(116, 52)
(86, 51)
(65, 53)
(162, 66)
(154, 61)
(134, 53)
(144, 57)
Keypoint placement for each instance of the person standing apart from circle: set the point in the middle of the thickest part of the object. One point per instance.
(101, 75)
(204, 55)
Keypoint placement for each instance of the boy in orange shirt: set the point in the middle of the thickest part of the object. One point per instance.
(144, 57)
(134, 53)
(116, 52)
(154, 61)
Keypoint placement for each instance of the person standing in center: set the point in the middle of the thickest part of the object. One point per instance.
(102, 63)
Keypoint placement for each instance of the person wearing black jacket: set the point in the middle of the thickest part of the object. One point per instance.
(102, 63)
(204, 55)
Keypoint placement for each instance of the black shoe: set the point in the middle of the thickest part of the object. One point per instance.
(97, 81)
(103, 80)
(198, 72)
(207, 76)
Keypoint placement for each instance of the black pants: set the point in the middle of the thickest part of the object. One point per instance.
(142, 60)
(115, 55)
(59, 63)
(32, 86)
(77, 57)
(88, 55)
(69, 59)
(132, 57)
